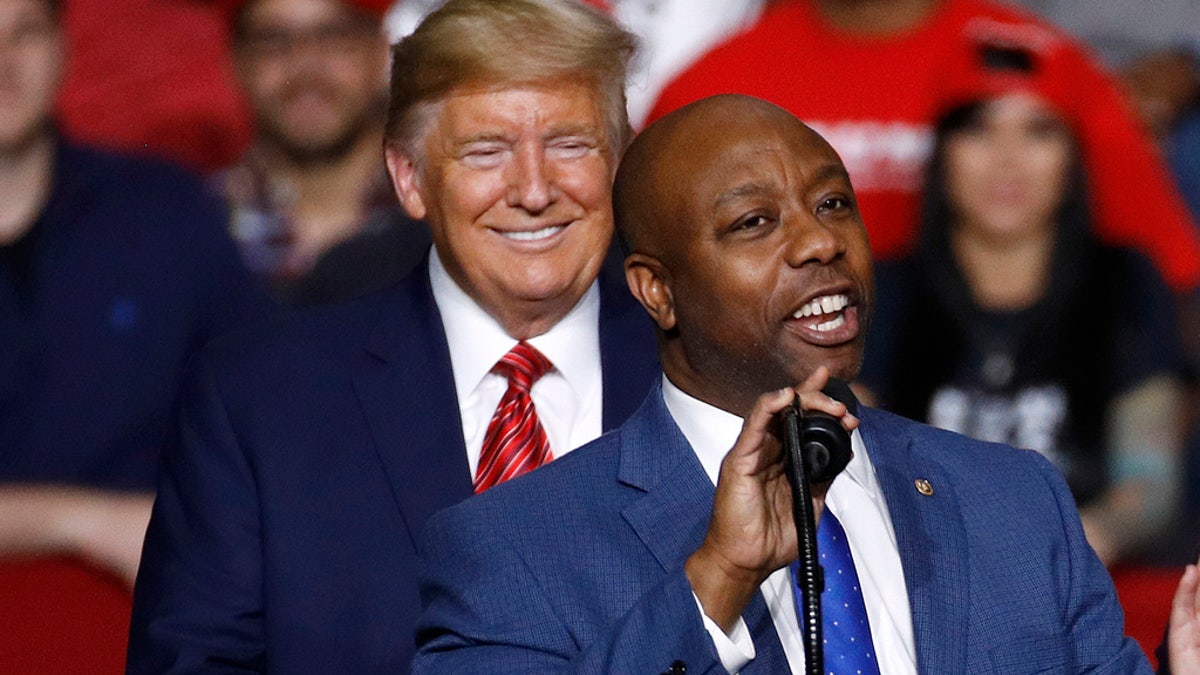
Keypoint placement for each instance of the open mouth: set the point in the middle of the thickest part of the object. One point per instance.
(825, 312)
(827, 320)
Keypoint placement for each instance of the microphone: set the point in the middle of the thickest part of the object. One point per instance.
(816, 449)
(823, 444)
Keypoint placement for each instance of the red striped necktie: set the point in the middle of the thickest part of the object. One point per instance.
(515, 441)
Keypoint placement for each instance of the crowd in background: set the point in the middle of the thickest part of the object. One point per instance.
(1031, 187)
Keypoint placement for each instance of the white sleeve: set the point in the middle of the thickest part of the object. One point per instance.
(735, 649)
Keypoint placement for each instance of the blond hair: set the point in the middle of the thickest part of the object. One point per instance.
(468, 43)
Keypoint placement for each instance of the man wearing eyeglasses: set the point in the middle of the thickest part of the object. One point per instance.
(313, 211)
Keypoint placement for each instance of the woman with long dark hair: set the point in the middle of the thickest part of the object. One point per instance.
(1010, 322)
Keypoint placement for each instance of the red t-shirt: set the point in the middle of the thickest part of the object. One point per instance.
(875, 99)
(153, 77)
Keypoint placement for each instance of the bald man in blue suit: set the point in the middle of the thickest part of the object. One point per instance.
(664, 546)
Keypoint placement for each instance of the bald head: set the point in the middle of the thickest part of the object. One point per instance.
(739, 220)
(657, 169)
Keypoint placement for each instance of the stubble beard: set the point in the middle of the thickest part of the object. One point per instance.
(305, 153)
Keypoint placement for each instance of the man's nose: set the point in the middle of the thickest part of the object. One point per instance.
(531, 180)
(812, 241)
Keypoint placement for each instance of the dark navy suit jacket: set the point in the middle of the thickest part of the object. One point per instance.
(578, 567)
(310, 456)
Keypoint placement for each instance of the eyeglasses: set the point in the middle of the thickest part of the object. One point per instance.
(331, 39)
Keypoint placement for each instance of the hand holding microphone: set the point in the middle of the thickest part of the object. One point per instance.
(752, 531)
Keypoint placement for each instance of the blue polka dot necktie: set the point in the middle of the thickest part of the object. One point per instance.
(846, 631)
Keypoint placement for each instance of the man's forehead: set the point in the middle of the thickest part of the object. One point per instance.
(370, 7)
(478, 110)
(751, 161)
(715, 140)
(300, 13)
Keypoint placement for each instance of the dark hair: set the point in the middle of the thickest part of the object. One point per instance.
(940, 278)
(1077, 281)
(1073, 234)
(937, 214)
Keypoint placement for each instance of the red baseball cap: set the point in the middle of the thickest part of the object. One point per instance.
(999, 58)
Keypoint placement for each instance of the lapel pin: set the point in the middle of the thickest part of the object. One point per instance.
(924, 487)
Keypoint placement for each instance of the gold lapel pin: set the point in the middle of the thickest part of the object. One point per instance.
(924, 487)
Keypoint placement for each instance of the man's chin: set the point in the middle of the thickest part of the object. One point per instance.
(843, 363)
(318, 149)
(313, 143)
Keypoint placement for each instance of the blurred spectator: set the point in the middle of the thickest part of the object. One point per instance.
(1123, 31)
(1011, 323)
(1183, 154)
(1158, 56)
(112, 271)
(878, 111)
(1164, 86)
(153, 77)
(313, 210)
(673, 33)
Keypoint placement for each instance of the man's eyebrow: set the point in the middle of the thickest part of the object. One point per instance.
(831, 171)
(828, 172)
(571, 129)
(740, 192)
(479, 138)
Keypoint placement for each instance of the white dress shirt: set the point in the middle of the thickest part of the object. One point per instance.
(567, 398)
(856, 500)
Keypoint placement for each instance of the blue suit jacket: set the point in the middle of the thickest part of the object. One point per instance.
(310, 455)
(579, 567)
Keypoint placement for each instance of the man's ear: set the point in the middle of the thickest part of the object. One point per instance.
(649, 283)
(403, 171)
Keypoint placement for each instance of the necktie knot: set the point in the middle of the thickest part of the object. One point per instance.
(515, 441)
(523, 365)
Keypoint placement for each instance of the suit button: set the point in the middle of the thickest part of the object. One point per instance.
(677, 668)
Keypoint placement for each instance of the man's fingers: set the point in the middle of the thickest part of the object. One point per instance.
(816, 381)
(812, 398)
(1186, 603)
(754, 429)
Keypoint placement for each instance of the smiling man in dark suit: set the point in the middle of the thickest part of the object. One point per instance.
(311, 452)
(666, 545)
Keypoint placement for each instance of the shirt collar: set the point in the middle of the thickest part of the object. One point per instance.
(712, 433)
(477, 340)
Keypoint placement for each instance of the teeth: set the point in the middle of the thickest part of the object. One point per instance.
(835, 322)
(534, 235)
(825, 304)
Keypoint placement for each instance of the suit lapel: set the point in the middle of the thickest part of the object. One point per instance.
(407, 391)
(672, 516)
(407, 395)
(932, 540)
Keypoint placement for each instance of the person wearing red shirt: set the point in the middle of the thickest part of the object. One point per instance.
(869, 77)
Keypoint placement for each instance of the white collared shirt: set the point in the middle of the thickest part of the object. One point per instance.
(568, 398)
(856, 500)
